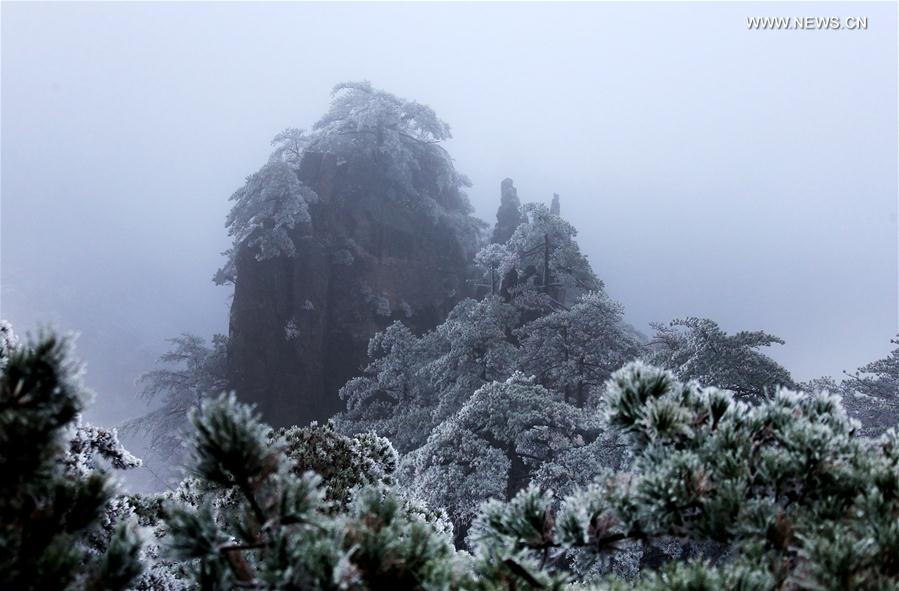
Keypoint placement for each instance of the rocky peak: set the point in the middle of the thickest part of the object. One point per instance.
(388, 237)
(509, 215)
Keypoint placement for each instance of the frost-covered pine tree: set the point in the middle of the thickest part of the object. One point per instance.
(698, 349)
(414, 383)
(415, 389)
(493, 446)
(54, 494)
(779, 495)
(9, 342)
(394, 396)
(289, 146)
(575, 350)
(541, 265)
(879, 378)
(871, 393)
(345, 464)
(266, 210)
(188, 372)
(272, 527)
(478, 350)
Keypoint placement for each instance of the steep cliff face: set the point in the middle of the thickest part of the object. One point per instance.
(370, 254)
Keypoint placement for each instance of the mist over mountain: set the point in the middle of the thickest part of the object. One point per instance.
(459, 296)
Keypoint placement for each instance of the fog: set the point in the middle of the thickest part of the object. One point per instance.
(745, 176)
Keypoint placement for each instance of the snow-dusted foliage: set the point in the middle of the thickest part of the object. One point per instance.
(289, 146)
(189, 371)
(541, 266)
(93, 448)
(492, 447)
(496, 395)
(477, 349)
(402, 136)
(879, 379)
(575, 350)
(870, 393)
(455, 470)
(357, 107)
(698, 349)
(266, 209)
(398, 137)
(273, 528)
(393, 397)
(490, 259)
(9, 342)
(777, 495)
(781, 495)
(413, 383)
(52, 499)
(345, 463)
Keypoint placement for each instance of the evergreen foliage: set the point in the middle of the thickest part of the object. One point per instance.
(870, 394)
(575, 350)
(522, 359)
(541, 265)
(51, 503)
(9, 342)
(278, 530)
(397, 137)
(188, 372)
(781, 494)
(698, 349)
(271, 204)
(344, 463)
(879, 379)
(493, 446)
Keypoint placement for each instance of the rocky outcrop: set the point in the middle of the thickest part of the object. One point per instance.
(300, 325)
(509, 215)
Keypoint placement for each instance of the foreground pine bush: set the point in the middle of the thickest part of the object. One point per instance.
(275, 529)
(52, 503)
(781, 495)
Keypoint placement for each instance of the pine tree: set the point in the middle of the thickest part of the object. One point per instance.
(188, 372)
(273, 528)
(778, 495)
(573, 351)
(698, 349)
(782, 495)
(541, 265)
(870, 393)
(493, 446)
(52, 494)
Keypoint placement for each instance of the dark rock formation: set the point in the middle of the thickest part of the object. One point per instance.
(509, 215)
(300, 325)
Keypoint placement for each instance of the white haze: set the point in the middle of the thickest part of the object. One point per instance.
(745, 176)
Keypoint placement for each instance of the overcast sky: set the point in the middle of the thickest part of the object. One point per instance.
(746, 176)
